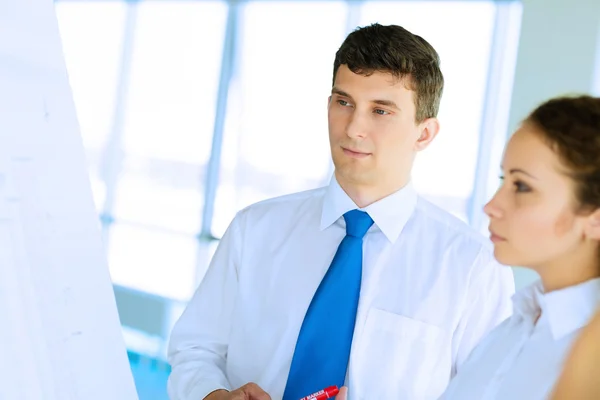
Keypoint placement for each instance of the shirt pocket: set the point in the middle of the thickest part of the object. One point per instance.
(400, 358)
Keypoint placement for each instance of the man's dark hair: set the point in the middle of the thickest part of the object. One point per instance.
(393, 49)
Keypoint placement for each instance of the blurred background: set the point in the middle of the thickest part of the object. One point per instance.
(191, 110)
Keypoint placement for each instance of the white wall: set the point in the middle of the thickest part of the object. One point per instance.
(557, 52)
(59, 331)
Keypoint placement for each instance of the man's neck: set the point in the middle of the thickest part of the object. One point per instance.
(364, 195)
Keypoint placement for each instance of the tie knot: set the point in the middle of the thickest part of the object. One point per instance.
(357, 223)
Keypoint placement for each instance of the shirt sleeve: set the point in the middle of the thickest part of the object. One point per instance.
(198, 345)
(488, 303)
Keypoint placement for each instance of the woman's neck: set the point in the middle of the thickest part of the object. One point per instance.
(571, 271)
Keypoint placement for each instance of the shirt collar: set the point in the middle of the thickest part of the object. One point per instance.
(566, 310)
(527, 301)
(389, 214)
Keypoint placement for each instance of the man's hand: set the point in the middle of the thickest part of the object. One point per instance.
(250, 391)
(343, 394)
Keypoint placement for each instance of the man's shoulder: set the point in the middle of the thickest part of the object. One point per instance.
(278, 207)
(463, 247)
(450, 228)
(287, 200)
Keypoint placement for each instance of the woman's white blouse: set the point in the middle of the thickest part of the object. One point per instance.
(523, 356)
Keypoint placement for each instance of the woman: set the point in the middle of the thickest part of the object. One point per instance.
(581, 376)
(546, 217)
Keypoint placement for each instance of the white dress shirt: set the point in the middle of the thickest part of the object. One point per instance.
(430, 291)
(522, 358)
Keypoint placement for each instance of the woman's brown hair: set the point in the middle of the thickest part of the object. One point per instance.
(571, 126)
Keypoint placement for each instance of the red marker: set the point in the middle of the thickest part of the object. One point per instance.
(327, 393)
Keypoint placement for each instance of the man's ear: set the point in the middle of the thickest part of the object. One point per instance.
(429, 130)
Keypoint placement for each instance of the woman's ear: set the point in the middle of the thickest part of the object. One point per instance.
(593, 226)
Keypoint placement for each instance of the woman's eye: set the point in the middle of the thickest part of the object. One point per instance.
(522, 187)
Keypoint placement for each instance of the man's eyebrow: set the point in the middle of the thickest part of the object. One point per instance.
(387, 103)
(335, 90)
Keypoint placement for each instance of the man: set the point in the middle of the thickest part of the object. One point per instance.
(361, 283)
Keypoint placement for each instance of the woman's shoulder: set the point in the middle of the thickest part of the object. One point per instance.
(579, 379)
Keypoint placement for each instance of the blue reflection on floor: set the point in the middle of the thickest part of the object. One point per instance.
(150, 375)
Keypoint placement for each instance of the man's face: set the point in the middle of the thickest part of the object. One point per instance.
(372, 129)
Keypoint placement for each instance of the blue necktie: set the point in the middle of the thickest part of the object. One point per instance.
(323, 348)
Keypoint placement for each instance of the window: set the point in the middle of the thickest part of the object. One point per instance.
(145, 77)
(150, 155)
(169, 113)
(276, 139)
(151, 260)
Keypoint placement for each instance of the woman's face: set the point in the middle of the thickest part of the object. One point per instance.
(533, 218)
